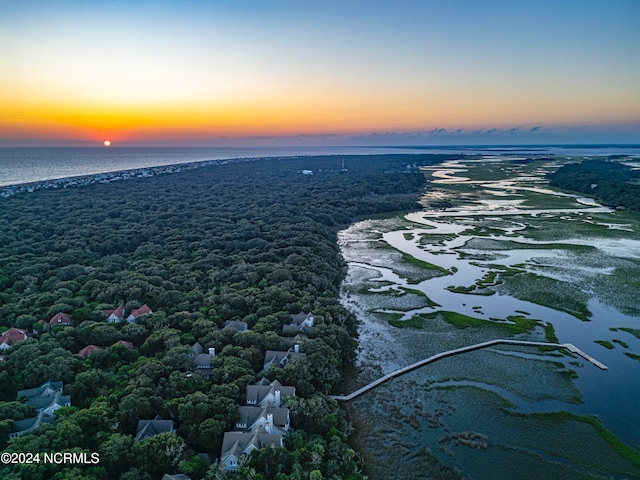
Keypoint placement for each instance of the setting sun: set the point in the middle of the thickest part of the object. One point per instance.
(107, 143)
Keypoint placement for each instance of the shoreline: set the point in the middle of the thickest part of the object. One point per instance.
(7, 191)
(149, 171)
(119, 175)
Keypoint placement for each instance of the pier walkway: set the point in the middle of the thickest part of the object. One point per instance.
(457, 351)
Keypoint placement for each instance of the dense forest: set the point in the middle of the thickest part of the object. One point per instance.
(613, 183)
(253, 241)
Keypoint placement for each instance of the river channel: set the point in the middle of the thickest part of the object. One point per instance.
(502, 256)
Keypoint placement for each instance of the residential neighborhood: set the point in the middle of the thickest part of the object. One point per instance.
(46, 399)
(261, 422)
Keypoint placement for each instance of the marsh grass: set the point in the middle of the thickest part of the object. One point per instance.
(624, 450)
(513, 324)
(633, 331)
(429, 266)
(605, 344)
(548, 292)
(550, 333)
(620, 342)
(414, 322)
(430, 302)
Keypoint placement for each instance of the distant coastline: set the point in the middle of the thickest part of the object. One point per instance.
(28, 165)
(174, 155)
(10, 190)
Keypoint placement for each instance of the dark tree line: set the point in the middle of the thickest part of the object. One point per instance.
(613, 183)
(252, 241)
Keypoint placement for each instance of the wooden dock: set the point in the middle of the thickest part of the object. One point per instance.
(449, 353)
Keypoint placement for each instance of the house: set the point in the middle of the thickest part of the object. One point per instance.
(12, 336)
(265, 393)
(150, 428)
(48, 405)
(88, 350)
(281, 358)
(197, 349)
(237, 325)
(237, 445)
(291, 330)
(302, 319)
(203, 362)
(126, 344)
(175, 476)
(267, 419)
(139, 312)
(300, 322)
(29, 424)
(46, 399)
(47, 389)
(60, 319)
(114, 316)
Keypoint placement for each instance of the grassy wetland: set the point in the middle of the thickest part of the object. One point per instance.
(498, 253)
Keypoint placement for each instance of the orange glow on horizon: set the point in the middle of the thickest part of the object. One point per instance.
(331, 113)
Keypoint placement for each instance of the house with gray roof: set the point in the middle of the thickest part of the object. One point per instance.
(300, 323)
(150, 428)
(47, 389)
(202, 361)
(30, 424)
(46, 399)
(237, 325)
(267, 419)
(281, 358)
(48, 405)
(197, 349)
(238, 445)
(265, 393)
(303, 319)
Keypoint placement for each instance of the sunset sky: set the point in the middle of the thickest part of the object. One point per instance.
(319, 72)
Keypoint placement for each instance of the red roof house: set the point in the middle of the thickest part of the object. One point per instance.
(116, 315)
(139, 312)
(11, 336)
(88, 350)
(60, 319)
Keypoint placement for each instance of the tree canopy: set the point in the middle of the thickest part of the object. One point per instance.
(250, 240)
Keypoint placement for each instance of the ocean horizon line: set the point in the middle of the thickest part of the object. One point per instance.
(292, 146)
(23, 168)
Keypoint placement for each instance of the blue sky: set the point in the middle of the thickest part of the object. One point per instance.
(203, 72)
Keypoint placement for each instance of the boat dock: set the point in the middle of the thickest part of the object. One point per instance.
(449, 353)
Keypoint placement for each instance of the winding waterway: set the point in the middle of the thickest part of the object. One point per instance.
(508, 247)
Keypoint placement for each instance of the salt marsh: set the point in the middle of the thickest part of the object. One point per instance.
(509, 246)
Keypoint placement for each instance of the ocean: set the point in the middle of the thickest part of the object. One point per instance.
(27, 165)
